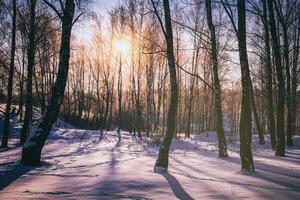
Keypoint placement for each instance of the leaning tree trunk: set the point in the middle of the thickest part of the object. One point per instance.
(271, 120)
(245, 121)
(10, 78)
(32, 148)
(280, 144)
(30, 66)
(217, 88)
(162, 161)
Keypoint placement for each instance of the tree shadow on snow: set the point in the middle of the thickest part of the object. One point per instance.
(268, 173)
(177, 189)
(11, 175)
(10, 148)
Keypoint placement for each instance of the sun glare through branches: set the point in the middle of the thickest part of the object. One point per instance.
(122, 46)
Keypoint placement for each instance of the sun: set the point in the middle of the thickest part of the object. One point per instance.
(121, 46)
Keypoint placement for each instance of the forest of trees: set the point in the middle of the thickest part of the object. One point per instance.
(155, 68)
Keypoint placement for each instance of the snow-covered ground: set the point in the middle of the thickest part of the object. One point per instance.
(77, 165)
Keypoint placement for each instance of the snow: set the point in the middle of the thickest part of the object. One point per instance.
(78, 165)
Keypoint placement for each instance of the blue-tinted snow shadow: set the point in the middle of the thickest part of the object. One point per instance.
(265, 171)
(114, 187)
(12, 175)
(176, 187)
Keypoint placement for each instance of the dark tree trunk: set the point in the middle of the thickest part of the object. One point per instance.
(30, 66)
(148, 89)
(245, 121)
(271, 120)
(163, 156)
(289, 137)
(295, 75)
(139, 119)
(106, 104)
(120, 98)
(217, 88)
(283, 19)
(110, 119)
(189, 112)
(256, 118)
(10, 78)
(32, 148)
(21, 98)
(280, 143)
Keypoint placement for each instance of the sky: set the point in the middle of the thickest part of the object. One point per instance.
(103, 5)
(84, 28)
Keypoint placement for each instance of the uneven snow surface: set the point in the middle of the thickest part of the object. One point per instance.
(76, 165)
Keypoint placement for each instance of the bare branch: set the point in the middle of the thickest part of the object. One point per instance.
(53, 8)
(230, 14)
(159, 19)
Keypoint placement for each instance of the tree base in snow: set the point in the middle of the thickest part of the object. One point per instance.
(247, 171)
(160, 170)
(279, 154)
(31, 156)
(289, 142)
(223, 155)
(262, 142)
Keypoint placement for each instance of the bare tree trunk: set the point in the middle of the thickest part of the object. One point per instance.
(289, 137)
(245, 121)
(295, 74)
(110, 119)
(33, 146)
(162, 161)
(256, 118)
(148, 91)
(10, 78)
(120, 98)
(30, 66)
(285, 24)
(217, 88)
(106, 104)
(271, 120)
(280, 143)
(21, 99)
